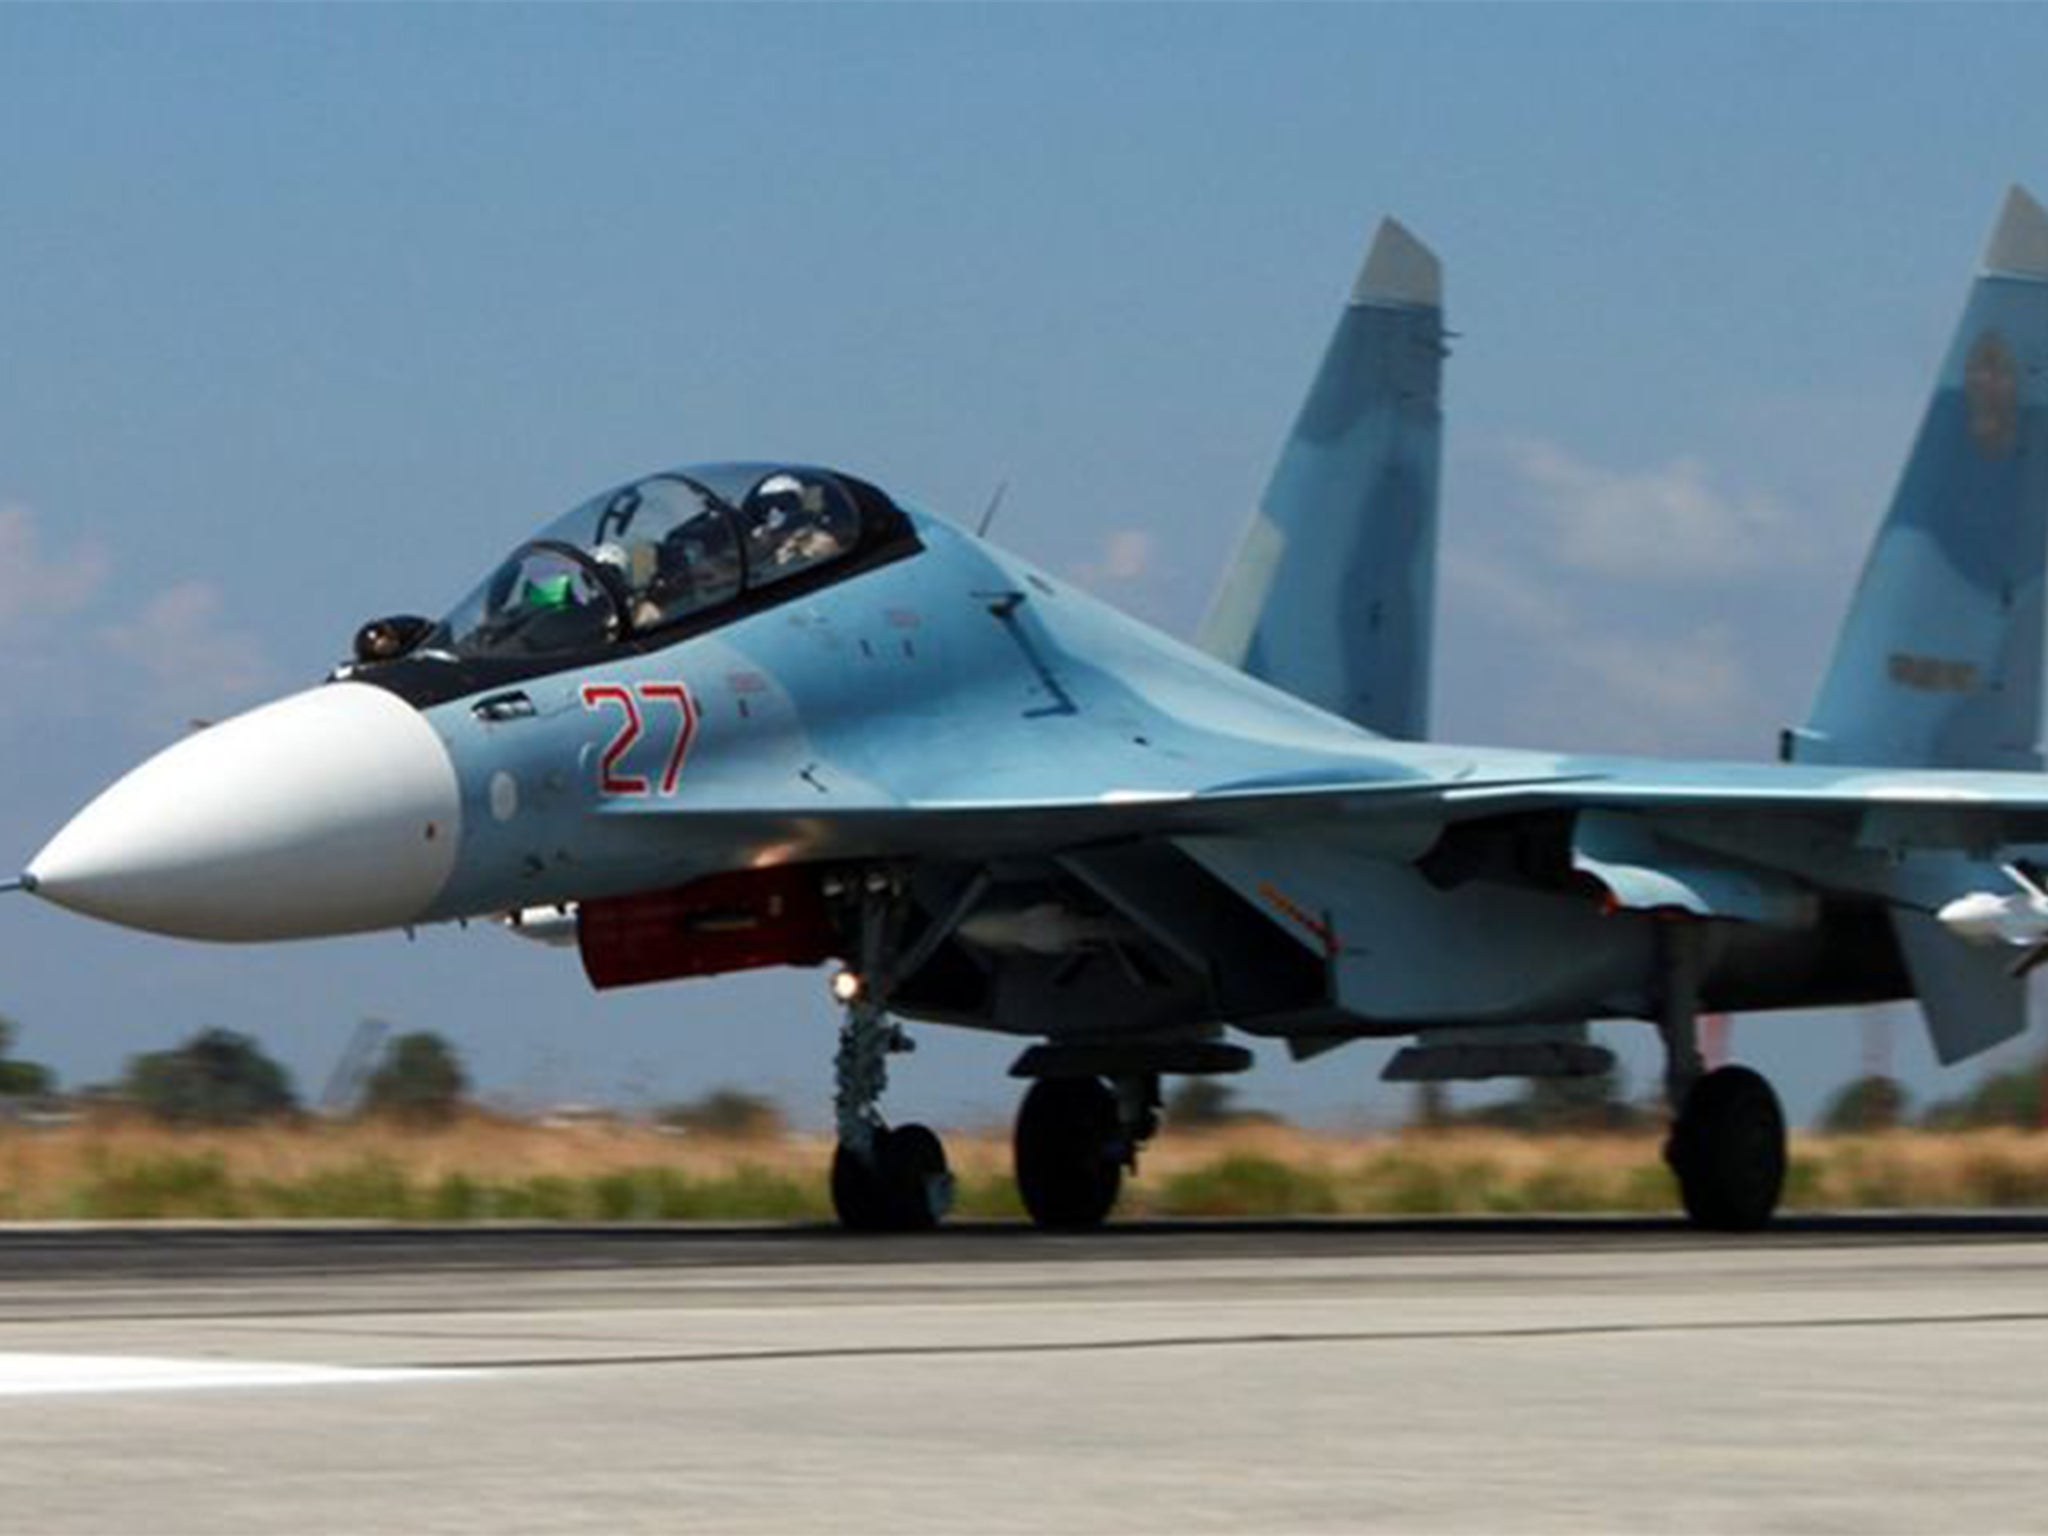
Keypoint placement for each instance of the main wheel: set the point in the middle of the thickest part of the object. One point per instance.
(1070, 1152)
(1727, 1148)
(903, 1186)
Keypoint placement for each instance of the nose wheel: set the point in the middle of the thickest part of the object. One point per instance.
(901, 1184)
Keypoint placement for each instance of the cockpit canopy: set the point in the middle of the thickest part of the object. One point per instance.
(683, 545)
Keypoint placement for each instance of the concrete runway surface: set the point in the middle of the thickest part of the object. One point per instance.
(1855, 1375)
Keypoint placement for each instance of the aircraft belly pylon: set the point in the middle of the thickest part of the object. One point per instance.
(733, 715)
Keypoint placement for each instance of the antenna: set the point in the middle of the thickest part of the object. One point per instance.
(18, 883)
(988, 516)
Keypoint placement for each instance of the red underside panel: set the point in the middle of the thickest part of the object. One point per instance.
(724, 923)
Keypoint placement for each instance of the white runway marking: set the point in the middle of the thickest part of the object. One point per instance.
(26, 1375)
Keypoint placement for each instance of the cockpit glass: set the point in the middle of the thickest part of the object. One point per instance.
(793, 521)
(653, 553)
(672, 547)
(544, 600)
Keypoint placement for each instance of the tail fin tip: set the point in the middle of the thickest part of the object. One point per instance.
(2019, 243)
(1399, 269)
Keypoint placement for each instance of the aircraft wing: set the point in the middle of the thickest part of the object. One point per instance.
(1918, 807)
(1749, 844)
(1891, 809)
(975, 828)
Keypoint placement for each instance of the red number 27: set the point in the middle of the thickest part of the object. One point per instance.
(609, 779)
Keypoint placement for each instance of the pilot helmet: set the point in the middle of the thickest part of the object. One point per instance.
(785, 494)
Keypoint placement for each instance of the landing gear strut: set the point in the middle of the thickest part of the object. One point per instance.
(1075, 1136)
(884, 1178)
(1727, 1143)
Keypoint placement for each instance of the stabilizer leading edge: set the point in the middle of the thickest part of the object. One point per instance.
(1332, 594)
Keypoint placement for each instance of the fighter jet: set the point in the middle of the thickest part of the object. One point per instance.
(749, 714)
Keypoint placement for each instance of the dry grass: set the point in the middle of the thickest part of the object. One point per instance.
(485, 1168)
(1474, 1171)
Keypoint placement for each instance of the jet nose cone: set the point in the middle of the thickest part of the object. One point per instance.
(331, 811)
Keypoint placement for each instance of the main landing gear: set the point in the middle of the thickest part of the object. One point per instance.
(1727, 1142)
(1075, 1136)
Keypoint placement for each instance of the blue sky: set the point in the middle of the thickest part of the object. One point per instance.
(309, 312)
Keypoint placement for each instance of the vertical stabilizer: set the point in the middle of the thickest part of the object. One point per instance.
(1939, 662)
(1332, 595)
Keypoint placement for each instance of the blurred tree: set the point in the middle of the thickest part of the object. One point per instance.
(26, 1080)
(726, 1112)
(21, 1079)
(2001, 1098)
(1202, 1103)
(1872, 1102)
(1595, 1103)
(419, 1080)
(1432, 1109)
(218, 1077)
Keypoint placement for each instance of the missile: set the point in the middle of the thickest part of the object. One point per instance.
(2017, 919)
(1985, 917)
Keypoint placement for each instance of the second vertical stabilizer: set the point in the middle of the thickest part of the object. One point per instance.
(1332, 595)
(1939, 662)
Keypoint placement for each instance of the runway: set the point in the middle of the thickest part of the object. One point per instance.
(1868, 1374)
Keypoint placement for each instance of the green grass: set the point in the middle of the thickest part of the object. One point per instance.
(496, 1170)
(1248, 1184)
(379, 1189)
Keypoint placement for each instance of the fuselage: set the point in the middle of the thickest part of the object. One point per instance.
(938, 672)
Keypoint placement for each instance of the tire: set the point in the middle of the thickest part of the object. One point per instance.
(1727, 1148)
(860, 1198)
(1069, 1152)
(904, 1187)
(919, 1183)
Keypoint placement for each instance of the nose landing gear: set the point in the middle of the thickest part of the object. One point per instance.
(884, 1178)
